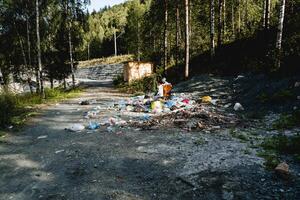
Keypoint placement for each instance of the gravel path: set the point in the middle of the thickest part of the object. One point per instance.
(129, 164)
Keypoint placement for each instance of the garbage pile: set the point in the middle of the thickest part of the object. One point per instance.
(180, 110)
(161, 110)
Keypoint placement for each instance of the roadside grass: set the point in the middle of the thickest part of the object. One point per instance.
(287, 121)
(278, 145)
(17, 108)
(106, 61)
(277, 97)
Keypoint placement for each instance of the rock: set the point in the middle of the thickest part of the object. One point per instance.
(297, 84)
(238, 107)
(42, 137)
(282, 169)
(76, 128)
(295, 108)
(239, 77)
(298, 97)
(227, 105)
(85, 103)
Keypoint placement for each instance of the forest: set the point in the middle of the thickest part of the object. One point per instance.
(47, 38)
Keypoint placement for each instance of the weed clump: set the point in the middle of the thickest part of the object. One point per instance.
(16, 108)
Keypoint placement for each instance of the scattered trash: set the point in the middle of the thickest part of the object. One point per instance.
(298, 97)
(145, 117)
(156, 106)
(84, 103)
(111, 129)
(206, 99)
(76, 128)
(93, 125)
(42, 137)
(164, 88)
(10, 127)
(297, 84)
(94, 101)
(238, 107)
(59, 151)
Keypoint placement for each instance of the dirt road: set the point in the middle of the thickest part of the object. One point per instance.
(44, 161)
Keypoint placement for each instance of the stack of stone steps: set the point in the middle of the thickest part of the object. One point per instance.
(100, 72)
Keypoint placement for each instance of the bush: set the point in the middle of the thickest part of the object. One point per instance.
(14, 108)
(288, 121)
(8, 105)
(147, 84)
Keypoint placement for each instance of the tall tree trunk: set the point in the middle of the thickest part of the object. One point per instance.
(187, 40)
(28, 40)
(38, 41)
(115, 42)
(166, 37)
(212, 29)
(70, 45)
(88, 51)
(279, 34)
(51, 82)
(138, 42)
(224, 18)
(177, 32)
(239, 18)
(25, 61)
(233, 19)
(246, 13)
(28, 49)
(264, 15)
(220, 24)
(267, 14)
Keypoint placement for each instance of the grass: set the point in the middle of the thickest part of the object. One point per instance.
(274, 146)
(287, 121)
(106, 61)
(241, 136)
(271, 159)
(277, 97)
(17, 108)
(200, 142)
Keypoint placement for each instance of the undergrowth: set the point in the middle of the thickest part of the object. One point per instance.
(147, 84)
(287, 121)
(16, 108)
(275, 146)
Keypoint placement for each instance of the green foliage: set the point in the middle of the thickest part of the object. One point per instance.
(278, 97)
(200, 142)
(8, 104)
(271, 159)
(241, 136)
(280, 144)
(287, 121)
(147, 84)
(15, 109)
